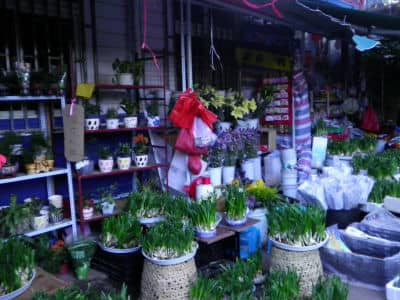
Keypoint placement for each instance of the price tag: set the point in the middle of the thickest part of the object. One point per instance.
(74, 146)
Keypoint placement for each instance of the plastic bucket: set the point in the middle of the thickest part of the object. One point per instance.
(289, 191)
(289, 177)
(261, 215)
(256, 168)
(247, 168)
(249, 242)
(288, 157)
(215, 176)
(272, 169)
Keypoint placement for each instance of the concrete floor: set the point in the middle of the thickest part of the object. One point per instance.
(360, 293)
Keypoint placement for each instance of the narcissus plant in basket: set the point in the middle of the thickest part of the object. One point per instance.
(121, 232)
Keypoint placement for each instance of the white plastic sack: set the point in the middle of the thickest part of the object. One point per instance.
(312, 192)
(203, 135)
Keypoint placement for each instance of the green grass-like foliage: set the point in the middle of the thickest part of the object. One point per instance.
(380, 165)
(178, 207)
(121, 232)
(384, 188)
(283, 285)
(236, 202)
(204, 213)
(206, 289)
(75, 293)
(147, 203)
(297, 225)
(17, 264)
(169, 239)
(14, 220)
(348, 148)
(330, 288)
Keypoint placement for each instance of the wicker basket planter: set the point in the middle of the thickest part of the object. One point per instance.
(167, 282)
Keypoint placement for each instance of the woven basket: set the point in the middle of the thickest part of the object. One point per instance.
(167, 282)
(306, 264)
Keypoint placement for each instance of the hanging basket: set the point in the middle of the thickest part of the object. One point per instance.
(167, 282)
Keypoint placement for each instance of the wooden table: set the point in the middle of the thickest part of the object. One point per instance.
(222, 233)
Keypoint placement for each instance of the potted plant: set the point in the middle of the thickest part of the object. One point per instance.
(236, 205)
(297, 232)
(282, 285)
(14, 219)
(243, 110)
(169, 242)
(56, 214)
(130, 108)
(153, 118)
(10, 147)
(112, 121)
(40, 219)
(206, 289)
(177, 207)
(141, 150)
(147, 206)
(124, 157)
(121, 234)
(107, 202)
(232, 145)
(215, 160)
(87, 210)
(106, 160)
(82, 252)
(204, 217)
(332, 288)
(17, 268)
(123, 72)
(92, 116)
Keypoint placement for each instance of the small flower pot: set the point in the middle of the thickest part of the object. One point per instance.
(247, 168)
(153, 121)
(92, 123)
(87, 212)
(239, 222)
(215, 176)
(107, 209)
(40, 222)
(124, 163)
(141, 160)
(112, 123)
(106, 165)
(56, 201)
(131, 122)
(56, 218)
(85, 166)
(125, 79)
(205, 234)
(9, 170)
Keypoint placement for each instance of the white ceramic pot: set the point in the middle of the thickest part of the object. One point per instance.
(215, 176)
(223, 126)
(130, 122)
(241, 124)
(107, 208)
(106, 165)
(247, 168)
(141, 160)
(40, 222)
(92, 123)
(252, 123)
(87, 212)
(256, 168)
(125, 79)
(56, 201)
(124, 163)
(153, 121)
(112, 123)
(228, 174)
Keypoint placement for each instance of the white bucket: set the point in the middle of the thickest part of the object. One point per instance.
(288, 157)
(256, 168)
(289, 190)
(215, 176)
(228, 174)
(247, 168)
(260, 214)
(289, 177)
(272, 169)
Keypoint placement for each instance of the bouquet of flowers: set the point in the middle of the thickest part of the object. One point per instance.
(216, 153)
(233, 149)
(242, 107)
(251, 141)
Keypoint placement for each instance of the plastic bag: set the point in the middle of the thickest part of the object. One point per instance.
(185, 143)
(312, 192)
(370, 120)
(203, 135)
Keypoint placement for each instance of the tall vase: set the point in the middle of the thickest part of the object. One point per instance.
(228, 174)
(247, 168)
(215, 176)
(256, 168)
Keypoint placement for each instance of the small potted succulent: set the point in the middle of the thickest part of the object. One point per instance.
(236, 205)
(107, 202)
(56, 214)
(106, 160)
(130, 108)
(124, 157)
(92, 116)
(141, 150)
(169, 243)
(123, 72)
(112, 121)
(204, 217)
(40, 219)
(121, 234)
(153, 118)
(87, 209)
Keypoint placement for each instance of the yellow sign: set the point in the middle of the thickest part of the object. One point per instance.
(85, 90)
(261, 59)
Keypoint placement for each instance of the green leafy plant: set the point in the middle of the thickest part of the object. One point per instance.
(235, 202)
(379, 166)
(152, 108)
(146, 203)
(297, 225)
(256, 262)
(104, 152)
(14, 219)
(266, 196)
(106, 194)
(330, 288)
(382, 188)
(141, 144)
(128, 106)
(126, 66)
(169, 239)
(17, 263)
(48, 257)
(320, 128)
(91, 110)
(39, 143)
(121, 232)
(204, 213)
(177, 207)
(7, 146)
(282, 285)
(124, 150)
(206, 289)
(112, 113)
(35, 205)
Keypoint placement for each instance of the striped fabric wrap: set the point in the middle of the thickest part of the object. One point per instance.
(302, 125)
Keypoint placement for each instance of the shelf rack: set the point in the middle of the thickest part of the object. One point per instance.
(45, 127)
